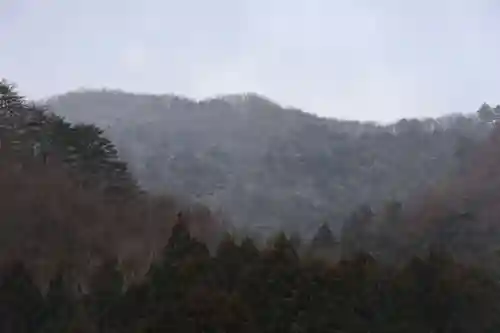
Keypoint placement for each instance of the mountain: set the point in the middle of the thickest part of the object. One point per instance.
(84, 249)
(265, 167)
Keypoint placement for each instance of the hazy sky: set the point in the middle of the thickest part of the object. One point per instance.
(363, 59)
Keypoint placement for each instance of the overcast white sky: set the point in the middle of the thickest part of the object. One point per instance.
(357, 59)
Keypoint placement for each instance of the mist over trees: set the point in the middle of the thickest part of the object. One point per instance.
(264, 167)
(346, 187)
(86, 248)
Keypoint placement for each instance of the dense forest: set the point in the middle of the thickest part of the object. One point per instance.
(66, 196)
(242, 289)
(86, 248)
(266, 168)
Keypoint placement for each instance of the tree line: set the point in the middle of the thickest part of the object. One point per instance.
(240, 288)
(84, 249)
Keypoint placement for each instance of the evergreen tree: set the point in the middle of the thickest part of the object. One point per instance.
(355, 232)
(324, 245)
(60, 304)
(21, 303)
(106, 288)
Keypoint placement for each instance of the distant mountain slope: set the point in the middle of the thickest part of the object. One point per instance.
(264, 166)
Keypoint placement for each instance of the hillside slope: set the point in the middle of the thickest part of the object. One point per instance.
(266, 167)
(67, 200)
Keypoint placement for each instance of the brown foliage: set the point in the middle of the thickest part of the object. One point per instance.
(49, 220)
(462, 213)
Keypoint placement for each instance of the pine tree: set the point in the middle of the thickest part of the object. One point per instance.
(106, 289)
(324, 245)
(60, 304)
(21, 303)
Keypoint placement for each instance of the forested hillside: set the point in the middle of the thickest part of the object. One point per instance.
(262, 166)
(67, 199)
(84, 249)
